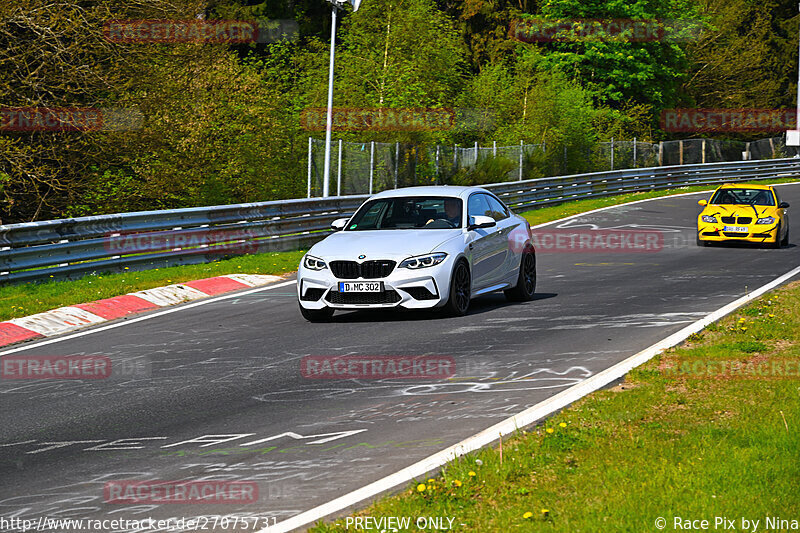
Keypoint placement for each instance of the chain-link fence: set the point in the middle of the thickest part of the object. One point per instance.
(365, 168)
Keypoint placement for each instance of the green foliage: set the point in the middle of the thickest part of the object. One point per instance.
(486, 170)
(749, 59)
(614, 68)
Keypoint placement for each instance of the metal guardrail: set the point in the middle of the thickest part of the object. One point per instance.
(70, 248)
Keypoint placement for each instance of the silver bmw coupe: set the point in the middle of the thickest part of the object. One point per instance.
(417, 248)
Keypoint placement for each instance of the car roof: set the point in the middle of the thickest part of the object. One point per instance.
(746, 186)
(431, 190)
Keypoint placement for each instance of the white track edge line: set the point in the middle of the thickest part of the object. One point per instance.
(175, 309)
(525, 418)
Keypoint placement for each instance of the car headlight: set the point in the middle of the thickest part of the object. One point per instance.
(314, 263)
(766, 220)
(707, 218)
(423, 261)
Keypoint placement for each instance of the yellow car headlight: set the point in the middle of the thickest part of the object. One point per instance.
(707, 218)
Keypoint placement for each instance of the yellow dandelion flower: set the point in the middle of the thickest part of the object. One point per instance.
(421, 487)
(457, 483)
(545, 512)
(563, 425)
(431, 480)
(472, 474)
(549, 430)
(527, 515)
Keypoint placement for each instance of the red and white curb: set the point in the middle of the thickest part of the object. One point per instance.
(65, 319)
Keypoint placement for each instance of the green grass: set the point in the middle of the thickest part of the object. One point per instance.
(662, 444)
(29, 298)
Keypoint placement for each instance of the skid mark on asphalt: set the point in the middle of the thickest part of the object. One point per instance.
(640, 320)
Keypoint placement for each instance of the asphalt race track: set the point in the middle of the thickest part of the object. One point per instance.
(230, 368)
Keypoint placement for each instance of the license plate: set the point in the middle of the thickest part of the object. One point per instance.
(360, 286)
(736, 229)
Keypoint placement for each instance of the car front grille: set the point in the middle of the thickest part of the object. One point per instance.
(367, 270)
(734, 220)
(351, 298)
(734, 234)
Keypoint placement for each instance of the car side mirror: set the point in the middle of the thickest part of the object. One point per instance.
(783, 205)
(480, 221)
(703, 202)
(339, 224)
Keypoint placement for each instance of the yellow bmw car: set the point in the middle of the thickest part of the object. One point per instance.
(744, 213)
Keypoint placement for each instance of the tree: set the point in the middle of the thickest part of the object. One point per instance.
(616, 68)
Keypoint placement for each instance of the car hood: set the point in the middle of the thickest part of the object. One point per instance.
(382, 244)
(755, 211)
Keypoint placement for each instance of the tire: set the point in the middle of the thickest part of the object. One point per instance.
(317, 315)
(777, 244)
(785, 241)
(526, 280)
(460, 290)
(701, 242)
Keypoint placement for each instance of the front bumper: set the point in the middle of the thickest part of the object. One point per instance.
(424, 288)
(756, 233)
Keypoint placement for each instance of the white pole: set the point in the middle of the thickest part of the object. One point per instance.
(612, 153)
(494, 148)
(329, 119)
(797, 117)
(371, 163)
(437, 164)
(634, 152)
(339, 171)
(309, 168)
(520, 160)
(396, 162)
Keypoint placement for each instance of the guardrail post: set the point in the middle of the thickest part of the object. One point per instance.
(339, 172)
(308, 195)
(704, 151)
(520, 160)
(661, 153)
(371, 164)
(634, 153)
(680, 152)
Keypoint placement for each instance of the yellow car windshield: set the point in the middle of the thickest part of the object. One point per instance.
(743, 197)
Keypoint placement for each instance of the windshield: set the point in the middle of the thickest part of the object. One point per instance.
(743, 197)
(408, 212)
